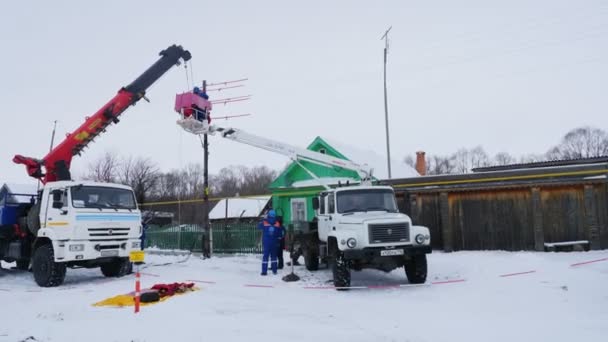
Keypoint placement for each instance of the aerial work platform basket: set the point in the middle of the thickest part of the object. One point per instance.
(194, 110)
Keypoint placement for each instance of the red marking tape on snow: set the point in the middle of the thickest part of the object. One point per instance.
(588, 262)
(149, 274)
(384, 286)
(201, 281)
(448, 281)
(516, 274)
(253, 285)
(319, 287)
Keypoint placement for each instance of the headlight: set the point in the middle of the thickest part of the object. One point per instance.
(135, 244)
(76, 248)
(420, 239)
(351, 243)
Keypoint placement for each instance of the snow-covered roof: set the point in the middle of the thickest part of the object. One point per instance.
(374, 160)
(21, 189)
(239, 207)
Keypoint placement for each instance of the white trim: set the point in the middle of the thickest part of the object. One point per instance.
(298, 200)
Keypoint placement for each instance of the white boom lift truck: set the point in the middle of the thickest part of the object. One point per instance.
(356, 226)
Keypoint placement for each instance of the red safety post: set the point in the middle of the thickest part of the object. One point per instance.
(137, 257)
(137, 288)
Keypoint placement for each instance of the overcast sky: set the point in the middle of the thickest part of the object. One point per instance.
(512, 76)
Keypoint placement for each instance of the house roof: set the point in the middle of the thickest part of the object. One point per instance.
(376, 161)
(548, 163)
(19, 193)
(246, 207)
(293, 176)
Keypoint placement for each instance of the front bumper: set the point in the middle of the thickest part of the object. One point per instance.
(94, 249)
(374, 252)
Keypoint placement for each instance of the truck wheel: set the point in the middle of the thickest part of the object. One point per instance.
(47, 272)
(340, 271)
(415, 269)
(117, 268)
(311, 260)
(23, 265)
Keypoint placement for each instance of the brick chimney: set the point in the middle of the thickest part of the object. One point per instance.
(420, 163)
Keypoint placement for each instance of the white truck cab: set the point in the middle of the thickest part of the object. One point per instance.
(82, 224)
(88, 220)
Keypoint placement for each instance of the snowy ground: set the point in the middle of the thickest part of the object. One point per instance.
(558, 302)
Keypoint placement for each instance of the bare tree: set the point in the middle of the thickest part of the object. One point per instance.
(256, 180)
(478, 157)
(582, 142)
(409, 160)
(504, 158)
(104, 169)
(141, 174)
(440, 165)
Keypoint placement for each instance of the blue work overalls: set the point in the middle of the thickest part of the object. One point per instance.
(271, 233)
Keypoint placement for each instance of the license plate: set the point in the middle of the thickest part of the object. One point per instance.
(390, 252)
(109, 253)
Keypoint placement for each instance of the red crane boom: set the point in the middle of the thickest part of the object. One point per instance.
(57, 161)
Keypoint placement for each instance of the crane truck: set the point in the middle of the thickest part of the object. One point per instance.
(357, 226)
(76, 223)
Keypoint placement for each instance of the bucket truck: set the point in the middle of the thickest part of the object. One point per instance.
(74, 223)
(355, 227)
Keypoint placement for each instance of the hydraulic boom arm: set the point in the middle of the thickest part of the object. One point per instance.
(57, 161)
(295, 153)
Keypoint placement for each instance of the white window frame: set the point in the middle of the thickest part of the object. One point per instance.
(298, 200)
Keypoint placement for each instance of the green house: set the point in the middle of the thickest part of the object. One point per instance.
(293, 190)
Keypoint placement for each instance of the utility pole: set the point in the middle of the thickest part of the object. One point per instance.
(388, 147)
(206, 226)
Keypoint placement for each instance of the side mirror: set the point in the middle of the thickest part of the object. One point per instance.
(315, 203)
(57, 201)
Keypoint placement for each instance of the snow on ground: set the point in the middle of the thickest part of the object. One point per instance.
(557, 303)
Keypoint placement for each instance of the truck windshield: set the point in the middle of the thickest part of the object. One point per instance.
(366, 200)
(102, 197)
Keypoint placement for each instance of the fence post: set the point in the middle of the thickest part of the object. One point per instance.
(210, 239)
(179, 238)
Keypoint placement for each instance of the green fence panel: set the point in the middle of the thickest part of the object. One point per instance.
(183, 237)
(227, 238)
(236, 238)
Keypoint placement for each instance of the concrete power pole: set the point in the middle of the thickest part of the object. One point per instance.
(388, 147)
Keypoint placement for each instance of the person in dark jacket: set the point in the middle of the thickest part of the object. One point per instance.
(272, 231)
(144, 227)
(281, 243)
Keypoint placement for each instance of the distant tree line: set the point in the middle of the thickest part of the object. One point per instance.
(150, 184)
(582, 142)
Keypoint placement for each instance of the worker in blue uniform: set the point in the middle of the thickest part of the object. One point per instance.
(272, 232)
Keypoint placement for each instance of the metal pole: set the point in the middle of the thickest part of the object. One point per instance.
(53, 135)
(388, 148)
(206, 225)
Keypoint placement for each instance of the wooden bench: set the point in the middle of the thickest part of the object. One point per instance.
(580, 245)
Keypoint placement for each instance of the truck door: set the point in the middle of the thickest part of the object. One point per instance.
(56, 208)
(323, 216)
